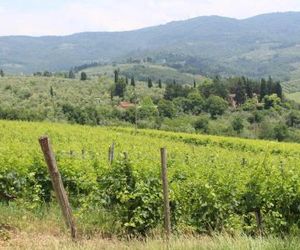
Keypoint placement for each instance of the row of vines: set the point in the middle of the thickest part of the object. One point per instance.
(216, 184)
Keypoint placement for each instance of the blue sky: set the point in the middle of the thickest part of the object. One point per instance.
(60, 17)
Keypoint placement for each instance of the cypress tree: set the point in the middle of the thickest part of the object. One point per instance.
(249, 88)
(126, 80)
(240, 93)
(278, 90)
(195, 84)
(132, 83)
(116, 72)
(150, 85)
(263, 89)
(1, 73)
(71, 74)
(159, 84)
(83, 76)
(270, 86)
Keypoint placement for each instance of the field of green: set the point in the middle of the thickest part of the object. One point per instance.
(217, 184)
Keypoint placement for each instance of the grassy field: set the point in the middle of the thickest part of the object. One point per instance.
(294, 96)
(22, 229)
(144, 71)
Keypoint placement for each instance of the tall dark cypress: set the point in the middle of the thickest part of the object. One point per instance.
(159, 83)
(150, 85)
(132, 83)
(116, 72)
(278, 90)
(263, 89)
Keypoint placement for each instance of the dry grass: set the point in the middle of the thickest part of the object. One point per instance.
(46, 240)
(20, 229)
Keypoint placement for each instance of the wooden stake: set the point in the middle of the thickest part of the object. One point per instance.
(58, 184)
(111, 153)
(258, 217)
(167, 219)
(125, 156)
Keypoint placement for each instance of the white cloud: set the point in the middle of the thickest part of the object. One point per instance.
(66, 16)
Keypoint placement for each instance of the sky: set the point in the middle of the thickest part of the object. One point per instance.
(62, 17)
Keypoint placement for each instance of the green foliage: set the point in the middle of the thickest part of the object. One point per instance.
(71, 74)
(150, 84)
(237, 124)
(293, 119)
(175, 90)
(280, 132)
(201, 124)
(135, 198)
(83, 76)
(216, 183)
(166, 108)
(119, 88)
(271, 101)
(215, 105)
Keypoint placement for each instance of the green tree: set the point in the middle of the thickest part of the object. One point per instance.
(173, 91)
(263, 89)
(119, 88)
(1, 73)
(166, 108)
(83, 76)
(71, 74)
(132, 82)
(249, 88)
(240, 93)
(280, 132)
(195, 103)
(116, 73)
(216, 105)
(278, 90)
(159, 83)
(270, 86)
(201, 124)
(293, 119)
(237, 124)
(126, 80)
(147, 109)
(271, 101)
(150, 84)
(195, 84)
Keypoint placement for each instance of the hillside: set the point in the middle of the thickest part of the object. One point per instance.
(258, 46)
(143, 71)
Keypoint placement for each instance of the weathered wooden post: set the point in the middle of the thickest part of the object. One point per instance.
(83, 153)
(125, 156)
(111, 153)
(259, 221)
(167, 219)
(57, 183)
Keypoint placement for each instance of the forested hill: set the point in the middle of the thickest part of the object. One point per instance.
(259, 46)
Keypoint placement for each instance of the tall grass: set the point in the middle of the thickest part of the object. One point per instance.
(44, 228)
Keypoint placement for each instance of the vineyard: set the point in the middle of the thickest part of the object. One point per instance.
(217, 184)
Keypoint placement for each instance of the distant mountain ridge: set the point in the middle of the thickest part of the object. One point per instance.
(263, 45)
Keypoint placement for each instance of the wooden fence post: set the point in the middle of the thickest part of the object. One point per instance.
(58, 184)
(111, 153)
(259, 221)
(125, 156)
(167, 219)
